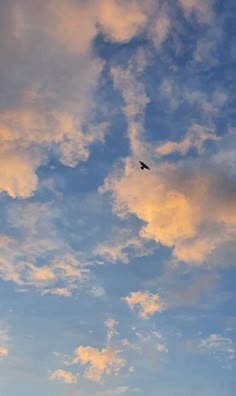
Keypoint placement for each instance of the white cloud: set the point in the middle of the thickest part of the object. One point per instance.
(120, 390)
(222, 348)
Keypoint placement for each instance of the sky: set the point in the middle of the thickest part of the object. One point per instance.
(116, 280)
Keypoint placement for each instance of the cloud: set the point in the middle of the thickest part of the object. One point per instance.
(121, 244)
(162, 348)
(195, 137)
(120, 390)
(209, 103)
(135, 101)
(27, 138)
(221, 347)
(34, 254)
(202, 9)
(3, 351)
(160, 27)
(48, 81)
(65, 376)
(188, 206)
(121, 21)
(146, 303)
(4, 340)
(100, 362)
(111, 331)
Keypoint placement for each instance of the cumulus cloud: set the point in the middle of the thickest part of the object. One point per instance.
(48, 84)
(146, 303)
(184, 207)
(51, 75)
(100, 362)
(65, 376)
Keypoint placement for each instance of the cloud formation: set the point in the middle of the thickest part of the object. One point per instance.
(222, 348)
(65, 376)
(184, 206)
(3, 351)
(202, 9)
(195, 137)
(146, 303)
(100, 362)
(35, 239)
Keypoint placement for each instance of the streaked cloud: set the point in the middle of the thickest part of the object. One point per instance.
(222, 348)
(135, 100)
(146, 303)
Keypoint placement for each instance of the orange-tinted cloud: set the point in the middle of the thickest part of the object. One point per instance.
(120, 21)
(190, 209)
(65, 376)
(146, 303)
(3, 351)
(101, 362)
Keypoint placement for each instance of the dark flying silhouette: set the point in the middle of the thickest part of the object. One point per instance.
(143, 165)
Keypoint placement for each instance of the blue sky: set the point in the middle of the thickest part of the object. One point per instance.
(117, 281)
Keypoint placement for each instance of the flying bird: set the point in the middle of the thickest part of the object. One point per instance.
(143, 165)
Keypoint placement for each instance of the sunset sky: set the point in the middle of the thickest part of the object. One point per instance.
(116, 280)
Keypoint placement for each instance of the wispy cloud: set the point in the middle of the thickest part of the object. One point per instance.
(222, 348)
(195, 138)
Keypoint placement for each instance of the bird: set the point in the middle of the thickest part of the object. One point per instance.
(143, 165)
